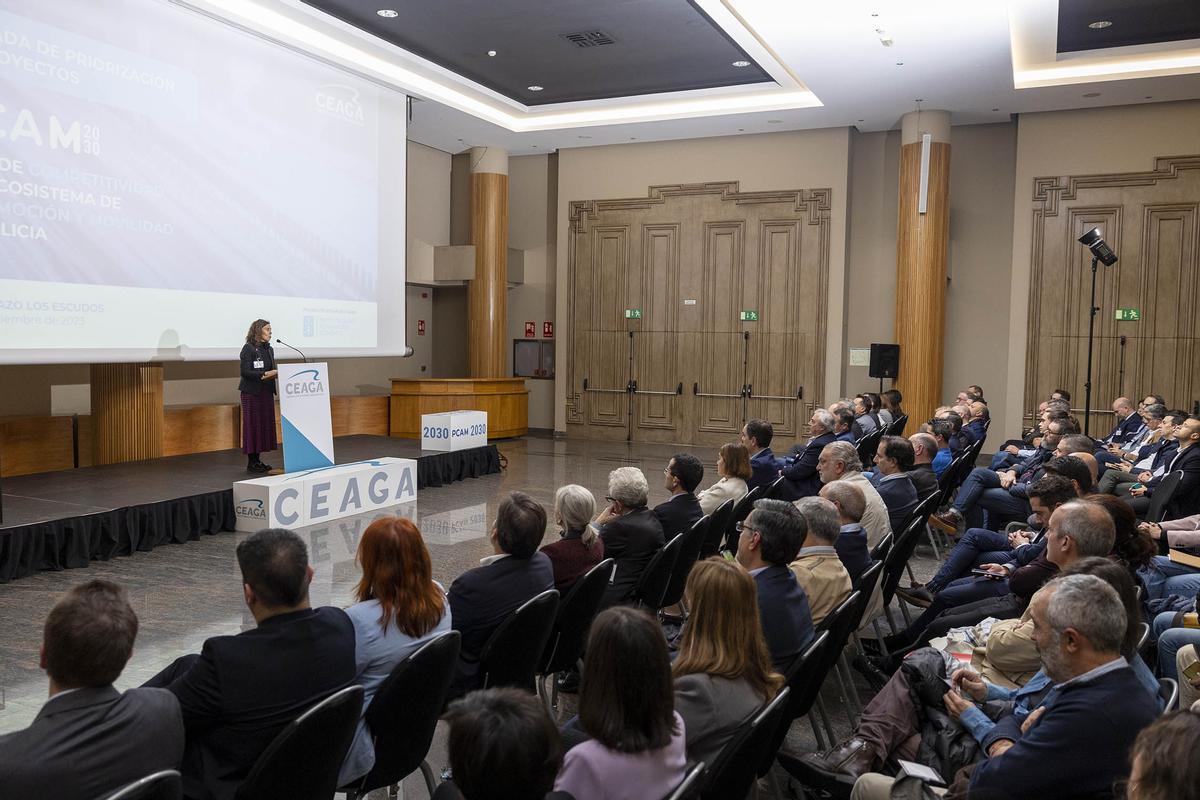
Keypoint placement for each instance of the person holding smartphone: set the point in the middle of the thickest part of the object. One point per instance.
(257, 387)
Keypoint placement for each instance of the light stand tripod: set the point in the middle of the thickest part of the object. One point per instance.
(1087, 385)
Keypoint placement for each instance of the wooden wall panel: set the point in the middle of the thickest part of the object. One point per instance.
(201, 428)
(487, 300)
(35, 444)
(1150, 221)
(127, 412)
(722, 357)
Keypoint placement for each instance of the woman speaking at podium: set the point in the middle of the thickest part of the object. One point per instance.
(258, 395)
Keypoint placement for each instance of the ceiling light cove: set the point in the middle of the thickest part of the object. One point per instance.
(387, 13)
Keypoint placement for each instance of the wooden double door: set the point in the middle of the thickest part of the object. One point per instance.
(659, 349)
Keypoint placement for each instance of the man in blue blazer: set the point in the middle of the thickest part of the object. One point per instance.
(482, 598)
(756, 438)
(851, 543)
(769, 540)
(893, 458)
(1129, 428)
(1186, 500)
(800, 470)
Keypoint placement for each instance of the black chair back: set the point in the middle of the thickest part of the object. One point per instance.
(689, 785)
(867, 447)
(512, 652)
(740, 512)
(776, 489)
(303, 761)
(717, 522)
(652, 584)
(164, 785)
(897, 426)
(879, 552)
(689, 551)
(734, 768)
(805, 682)
(901, 552)
(405, 710)
(575, 615)
(1157, 511)
(865, 587)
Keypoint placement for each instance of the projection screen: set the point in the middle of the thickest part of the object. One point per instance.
(166, 178)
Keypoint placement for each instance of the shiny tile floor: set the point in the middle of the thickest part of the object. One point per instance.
(184, 594)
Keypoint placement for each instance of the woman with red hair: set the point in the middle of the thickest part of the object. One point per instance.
(400, 607)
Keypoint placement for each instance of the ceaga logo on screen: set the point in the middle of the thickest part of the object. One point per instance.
(301, 385)
(252, 509)
(341, 102)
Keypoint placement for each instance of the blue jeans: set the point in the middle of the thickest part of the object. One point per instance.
(957, 593)
(1164, 577)
(1002, 460)
(973, 487)
(967, 554)
(1002, 507)
(1170, 640)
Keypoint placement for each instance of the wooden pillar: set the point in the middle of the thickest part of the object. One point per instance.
(127, 412)
(487, 295)
(921, 244)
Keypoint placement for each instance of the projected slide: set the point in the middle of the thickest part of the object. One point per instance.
(166, 178)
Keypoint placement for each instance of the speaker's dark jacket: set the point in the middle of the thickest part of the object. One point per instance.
(252, 382)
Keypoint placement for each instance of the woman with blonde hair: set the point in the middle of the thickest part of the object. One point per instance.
(400, 607)
(580, 547)
(723, 671)
(733, 465)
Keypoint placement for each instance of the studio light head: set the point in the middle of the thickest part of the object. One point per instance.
(1093, 241)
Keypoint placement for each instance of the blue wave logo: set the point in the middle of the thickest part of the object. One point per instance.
(296, 475)
(315, 376)
(250, 508)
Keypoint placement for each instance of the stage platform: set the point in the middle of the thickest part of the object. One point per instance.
(60, 520)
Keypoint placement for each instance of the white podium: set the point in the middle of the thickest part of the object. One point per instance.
(453, 430)
(313, 496)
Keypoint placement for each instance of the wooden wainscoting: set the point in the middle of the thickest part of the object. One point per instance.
(35, 444)
(201, 429)
(504, 400)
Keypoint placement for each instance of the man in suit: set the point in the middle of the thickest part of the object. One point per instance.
(924, 479)
(1150, 461)
(941, 430)
(851, 542)
(1186, 500)
(89, 740)
(756, 438)
(1130, 429)
(1080, 735)
(483, 597)
(631, 532)
(843, 425)
(893, 459)
(800, 471)
(976, 427)
(681, 476)
(818, 569)
(839, 462)
(768, 541)
(242, 690)
(865, 420)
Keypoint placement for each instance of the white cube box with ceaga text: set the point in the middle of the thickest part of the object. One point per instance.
(453, 430)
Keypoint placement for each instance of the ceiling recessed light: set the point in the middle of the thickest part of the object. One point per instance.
(919, 100)
(1149, 97)
(1091, 94)
(633, 138)
(1100, 24)
(491, 53)
(899, 63)
(995, 109)
(862, 120)
(534, 88)
(774, 121)
(388, 13)
(741, 63)
(741, 130)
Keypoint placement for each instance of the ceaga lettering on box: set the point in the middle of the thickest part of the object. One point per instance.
(304, 387)
(320, 504)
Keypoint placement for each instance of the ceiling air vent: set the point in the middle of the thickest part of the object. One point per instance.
(588, 38)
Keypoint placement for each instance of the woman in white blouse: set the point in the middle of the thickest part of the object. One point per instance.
(733, 465)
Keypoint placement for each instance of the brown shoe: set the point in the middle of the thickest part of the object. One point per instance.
(916, 596)
(852, 757)
(949, 522)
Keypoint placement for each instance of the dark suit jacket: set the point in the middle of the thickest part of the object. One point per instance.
(851, 547)
(632, 540)
(1125, 430)
(482, 598)
(1186, 500)
(924, 480)
(1165, 451)
(786, 618)
(975, 430)
(801, 473)
(678, 514)
(900, 497)
(90, 742)
(764, 469)
(244, 689)
(846, 436)
(1077, 749)
(252, 382)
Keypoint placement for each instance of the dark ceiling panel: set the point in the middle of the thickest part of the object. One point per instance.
(656, 45)
(1133, 22)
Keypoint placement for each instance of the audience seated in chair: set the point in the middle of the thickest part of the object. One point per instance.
(756, 437)
(1129, 430)
(768, 542)
(1186, 500)
(1166, 577)
(890, 410)
(1151, 459)
(1173, 638)
(941, 430)
(733, 467)
(580, 547)
(399, 608)
(851, 542)
(636, 741)
(89, 739)
(818, 569)
(800, 469)
(866, 421)
(923, 478)
(242, 690)
(631, 532)
(723, 672)
(843, 424)
(502, 746)
(893, 459)
(482, 598)
(681, 476)
(839, 462)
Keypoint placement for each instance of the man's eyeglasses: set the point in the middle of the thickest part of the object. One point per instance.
(742, 526)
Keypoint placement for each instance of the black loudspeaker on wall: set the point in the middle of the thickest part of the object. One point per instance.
(885, 360)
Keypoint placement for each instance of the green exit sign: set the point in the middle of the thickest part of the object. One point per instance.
(749, 316)
(1128, 315)
(633, 313)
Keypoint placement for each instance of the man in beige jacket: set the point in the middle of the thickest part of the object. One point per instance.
(819, 570)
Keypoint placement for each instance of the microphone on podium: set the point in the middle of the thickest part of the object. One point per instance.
(297, 349)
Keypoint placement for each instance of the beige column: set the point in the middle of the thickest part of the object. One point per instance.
(127, 412)
(921, 243)
(487, 294)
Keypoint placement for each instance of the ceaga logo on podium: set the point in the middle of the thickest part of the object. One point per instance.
(300, 386)
(250, 509)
